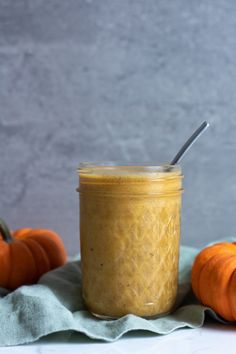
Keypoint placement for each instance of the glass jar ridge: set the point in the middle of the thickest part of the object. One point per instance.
(130, 179)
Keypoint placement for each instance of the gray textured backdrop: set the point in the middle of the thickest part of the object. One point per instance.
(108, 79)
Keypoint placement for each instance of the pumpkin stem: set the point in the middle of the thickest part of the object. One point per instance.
(5, 232)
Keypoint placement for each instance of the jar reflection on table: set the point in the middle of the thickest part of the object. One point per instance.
(129, 233)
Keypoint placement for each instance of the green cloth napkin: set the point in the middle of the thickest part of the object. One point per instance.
(55, 305)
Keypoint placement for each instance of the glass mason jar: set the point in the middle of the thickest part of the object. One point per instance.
(129, 234)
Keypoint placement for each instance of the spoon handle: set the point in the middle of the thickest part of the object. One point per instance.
(189, 142)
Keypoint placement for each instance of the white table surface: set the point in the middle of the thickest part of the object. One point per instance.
(212, 338)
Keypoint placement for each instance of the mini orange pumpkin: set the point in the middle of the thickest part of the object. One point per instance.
(214, 278)
(26, 254)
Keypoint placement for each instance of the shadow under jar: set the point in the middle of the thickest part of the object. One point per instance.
(129, 234)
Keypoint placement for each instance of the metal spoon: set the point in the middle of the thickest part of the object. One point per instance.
(189, 143)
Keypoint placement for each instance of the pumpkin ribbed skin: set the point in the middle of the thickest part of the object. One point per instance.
(214, 278)
(27, 254)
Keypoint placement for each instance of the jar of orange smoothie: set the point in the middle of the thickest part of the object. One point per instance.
(129, 233)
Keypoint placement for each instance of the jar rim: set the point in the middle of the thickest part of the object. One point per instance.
(108, 167)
